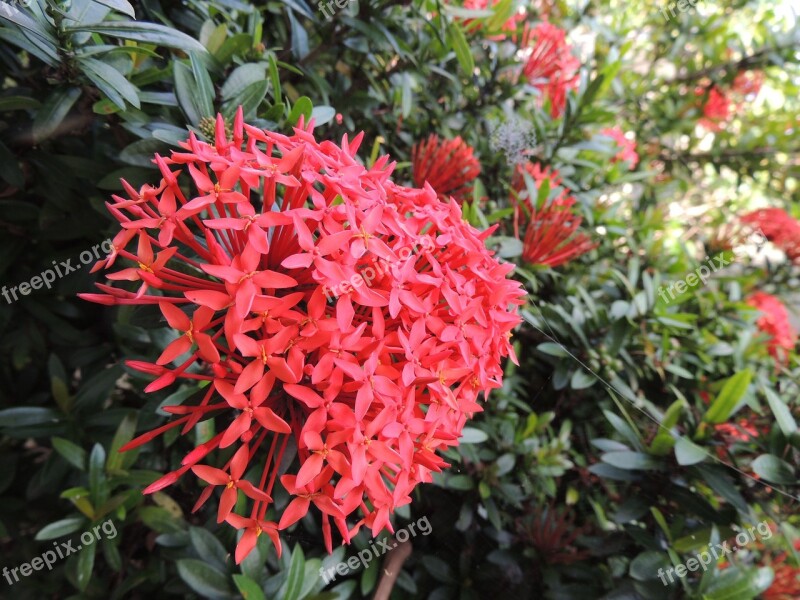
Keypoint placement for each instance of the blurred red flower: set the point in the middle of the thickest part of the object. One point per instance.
(449, 166)
(779, 227)
(786, 584)
(627, 147)
(748, 83)
(775, 323)
(550, 66)
(716, 109)
(368, 382)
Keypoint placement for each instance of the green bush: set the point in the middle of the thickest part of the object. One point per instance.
(635, 430)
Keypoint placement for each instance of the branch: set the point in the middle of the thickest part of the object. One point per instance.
(392, 566)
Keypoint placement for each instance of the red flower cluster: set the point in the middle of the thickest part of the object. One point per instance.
(550, 67)
(367, 386)
(717, 108)
(779, 227)
(550, 236)
(748, 83)
(627, 147)
(786, 583)
(449, 166)
(775, 323)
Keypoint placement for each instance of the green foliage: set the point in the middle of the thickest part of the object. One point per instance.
(611, 427)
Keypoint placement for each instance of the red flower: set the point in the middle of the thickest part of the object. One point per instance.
(449, 166)
(550, 67)
(743, 431)
(329, 305)
(627, 147)
(716, 109)
(550, 236)
(553, 533)
(748, 83)
(775, 323)
(786, 583)
(779, 227)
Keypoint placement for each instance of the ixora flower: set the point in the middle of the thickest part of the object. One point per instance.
(779, 227)
(550, 235)
(449, 166)
(627, 148)
(786, 583)
(550, 66)
(236, 245)
(775, 323)
(716, 109)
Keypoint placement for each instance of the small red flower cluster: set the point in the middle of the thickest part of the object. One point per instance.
(367, 386)
(449, 166)
(748, 83)
(786, 583)
(779, 227)
(775, 323)
(550, 235)
(627, 148)
(550, 67)
(716, 109)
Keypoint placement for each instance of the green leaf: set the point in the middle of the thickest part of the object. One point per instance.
(85, 566)
(53, 112)
(631, 461)
(187, 92)
(72, 453)
(208, 547)
(291, 588)
(8, 103)
(9, 167)
(122, 6)
(250, 98)
(502, 12)
(149, 33)
(242, 77)
(733, 391)
(739, 584)
(299, 37)
(582, 379)
(60, 528)
(645, 566)
(275, 78)
(323, 115)
(774, 469)
(688, 453)
(460, 46)
(783, 415)
(471, 435)
(205, 98)
(26, 416)
(248, 588)
(111, 82)
(123, 435)
(98, 488)
(303, 106)
(204, 579)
